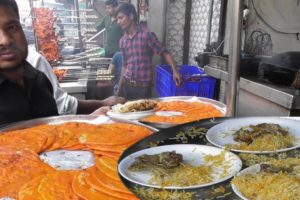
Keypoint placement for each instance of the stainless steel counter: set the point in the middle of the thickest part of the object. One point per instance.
(261, 99)
(76, 89)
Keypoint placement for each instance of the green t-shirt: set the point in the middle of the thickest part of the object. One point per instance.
(113, 34)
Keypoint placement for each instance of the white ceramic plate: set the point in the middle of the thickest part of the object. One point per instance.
(222, 134)
(131, 115)
(250, 170)
(192, 154)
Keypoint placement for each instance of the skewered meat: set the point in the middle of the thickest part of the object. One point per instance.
(44, 24)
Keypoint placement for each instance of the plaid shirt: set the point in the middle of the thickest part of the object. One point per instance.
(137, 54)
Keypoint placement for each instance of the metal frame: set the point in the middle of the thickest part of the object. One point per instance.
(187, 31)
(76, 4)
(32, 21)
(234, 58)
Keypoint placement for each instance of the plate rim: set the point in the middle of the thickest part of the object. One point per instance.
(65, 119)
(242, 172)
(137, 112)
(248, 151)
(237, 159)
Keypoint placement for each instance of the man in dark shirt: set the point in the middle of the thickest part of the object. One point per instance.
(25, 93)
(113, 30)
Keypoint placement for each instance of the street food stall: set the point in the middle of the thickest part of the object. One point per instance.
(65, 34)
(175, 147)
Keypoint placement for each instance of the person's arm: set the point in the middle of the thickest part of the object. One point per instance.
(89, 106)
(113, 63)
(123, 69)
(157, 47)
(122, 80)
(176, 75)
(111, 68)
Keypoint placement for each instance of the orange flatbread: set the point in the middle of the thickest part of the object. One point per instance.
(94, 183)
(36, 138)
(109, 154)
(110, 163)
(106, 170)
(18, 167)
(29, 191)
(112, 148)
(48, 130)
(83, 190)
(117, 134)
(23, 175)
(191, 111)
(106, 181)
(75, 147)
(58, 185)
(62, 138)
(24, 140)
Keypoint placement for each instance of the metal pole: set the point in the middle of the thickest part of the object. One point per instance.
(32, 22)
(79, 24)
(210, 16)
(234, 58)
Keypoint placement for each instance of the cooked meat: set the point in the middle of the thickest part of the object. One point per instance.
(248, 134)
(134, 106)
(165, 160)
(272, 169)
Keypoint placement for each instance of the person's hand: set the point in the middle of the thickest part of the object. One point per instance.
(101, 111)
(177, 78)
(113, 100)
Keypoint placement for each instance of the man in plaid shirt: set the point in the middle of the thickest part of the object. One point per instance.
(138, 46)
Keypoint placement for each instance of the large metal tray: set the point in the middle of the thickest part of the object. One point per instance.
(219, 105)
(95, 119)
(182, 134)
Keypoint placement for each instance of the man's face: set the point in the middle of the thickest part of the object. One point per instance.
(124, 21)
(110, 10)
(13, 44)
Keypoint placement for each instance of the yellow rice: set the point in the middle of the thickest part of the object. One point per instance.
(267, 142)
(270, 186)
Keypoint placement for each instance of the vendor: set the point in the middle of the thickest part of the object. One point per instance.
(138, 45)
(113, 30)
(25, 92)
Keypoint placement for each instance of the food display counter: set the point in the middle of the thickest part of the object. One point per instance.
(97, 150)
(257, 98)
(196, 133)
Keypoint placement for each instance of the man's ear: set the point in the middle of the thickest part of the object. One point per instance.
(131, 16)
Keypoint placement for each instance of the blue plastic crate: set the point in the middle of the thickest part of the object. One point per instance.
(192, 85)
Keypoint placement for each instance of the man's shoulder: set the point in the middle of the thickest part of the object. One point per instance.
(145, 32)
(33, 71)
(117, 55)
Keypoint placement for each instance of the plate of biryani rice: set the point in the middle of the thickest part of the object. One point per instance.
(256, 135)
(180, 166)
(133, 110)
(278, 179)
